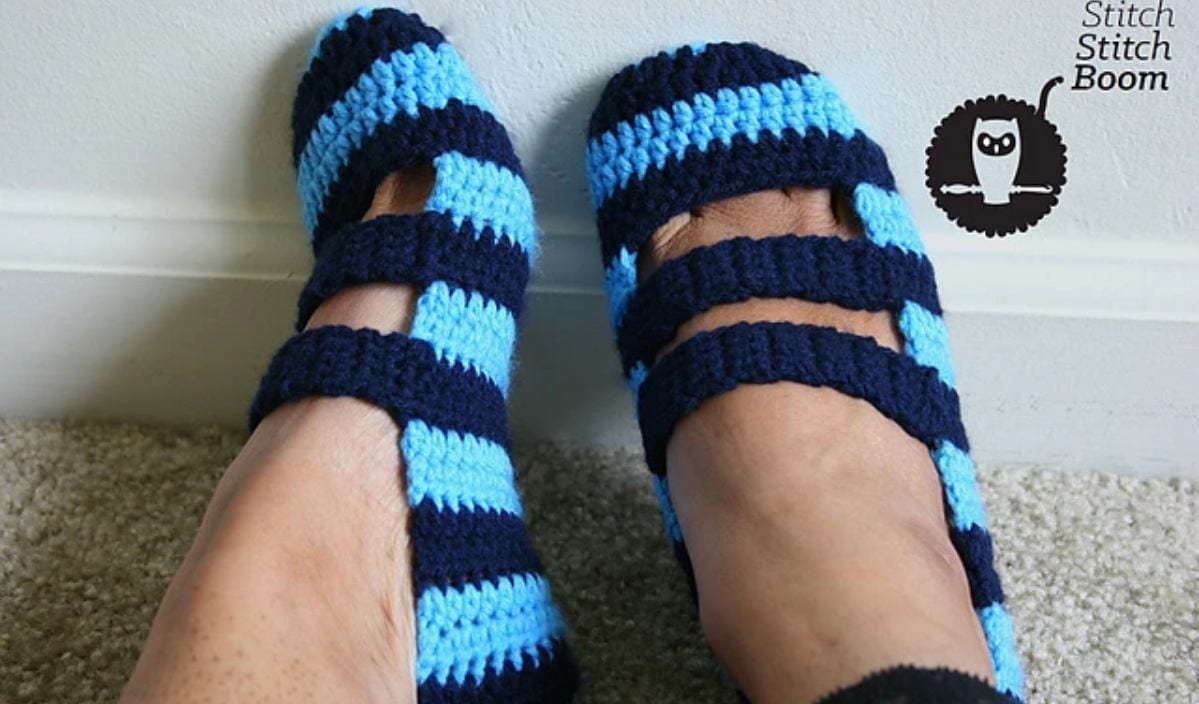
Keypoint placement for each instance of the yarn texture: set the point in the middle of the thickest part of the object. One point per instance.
(384, 92)
(707, 122)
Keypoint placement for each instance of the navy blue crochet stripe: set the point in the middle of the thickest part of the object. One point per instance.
(395, 372)
(814, 159)
(346, 54)
(978, 555)
(452, 548)
(549, 678)
(407, 142)
(418, 249)
(660, 81)
(855, 274)
(714, 362)
(684, 558)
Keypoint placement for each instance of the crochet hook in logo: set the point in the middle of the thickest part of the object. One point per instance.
(997, 165)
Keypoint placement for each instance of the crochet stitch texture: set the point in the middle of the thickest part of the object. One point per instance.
(384, 92)
(707, 122)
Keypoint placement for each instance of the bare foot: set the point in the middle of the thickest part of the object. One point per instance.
(815, 524)
(298, 586)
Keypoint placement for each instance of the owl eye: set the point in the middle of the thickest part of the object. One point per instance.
(1008, 141)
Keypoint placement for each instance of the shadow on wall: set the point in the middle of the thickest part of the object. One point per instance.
(569, 381)
(204, 337)
(193, 344)
(268, 140)
(557, 168)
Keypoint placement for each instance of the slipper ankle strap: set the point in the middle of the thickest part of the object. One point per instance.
(855, 274)
(397, 373)
(712, 363)
(418, 249)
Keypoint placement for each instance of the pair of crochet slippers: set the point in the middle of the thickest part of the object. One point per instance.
(384, 93)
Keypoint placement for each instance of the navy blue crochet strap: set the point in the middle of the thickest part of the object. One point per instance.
(855, 274)
(630, 216)
(714, 362)
(405, 143)
(346, 53)
(418, 249)
(399, 374)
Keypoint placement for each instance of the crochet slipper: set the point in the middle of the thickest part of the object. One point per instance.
(383, 93)
(704, 123)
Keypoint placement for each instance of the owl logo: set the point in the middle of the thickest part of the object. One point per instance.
(996, 165)
(996, 158)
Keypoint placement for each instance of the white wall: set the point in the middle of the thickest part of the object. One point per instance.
(149, 245)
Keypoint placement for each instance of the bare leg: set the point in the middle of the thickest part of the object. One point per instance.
(298, 585)
(815, 524)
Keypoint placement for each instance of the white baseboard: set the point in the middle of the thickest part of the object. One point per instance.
(1072, 353)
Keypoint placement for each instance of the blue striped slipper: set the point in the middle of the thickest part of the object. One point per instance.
(384, 92)
(703, 123)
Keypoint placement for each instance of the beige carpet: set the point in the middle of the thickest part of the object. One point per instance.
(1102, 571)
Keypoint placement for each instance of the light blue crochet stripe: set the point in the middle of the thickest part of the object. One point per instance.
(468, 328)
(961, 487)
(394, 85)
(457, 471)
(487, 194)
(461, 631)
(888, 222)
(1001, 638)
(633, 147)
(669, 518)
(338, 23)
(886, 218)
(926, 340)
(636, 378)
(620, 281)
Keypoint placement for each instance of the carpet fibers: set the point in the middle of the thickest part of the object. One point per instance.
(1102, 571)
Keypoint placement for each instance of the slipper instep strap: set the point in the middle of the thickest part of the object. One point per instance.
(712, 363)
(399, 374)
(630, 216)
(854, 274)
(344, 192)
(419, 249)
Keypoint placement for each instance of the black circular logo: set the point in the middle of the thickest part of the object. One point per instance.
(996, 165)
